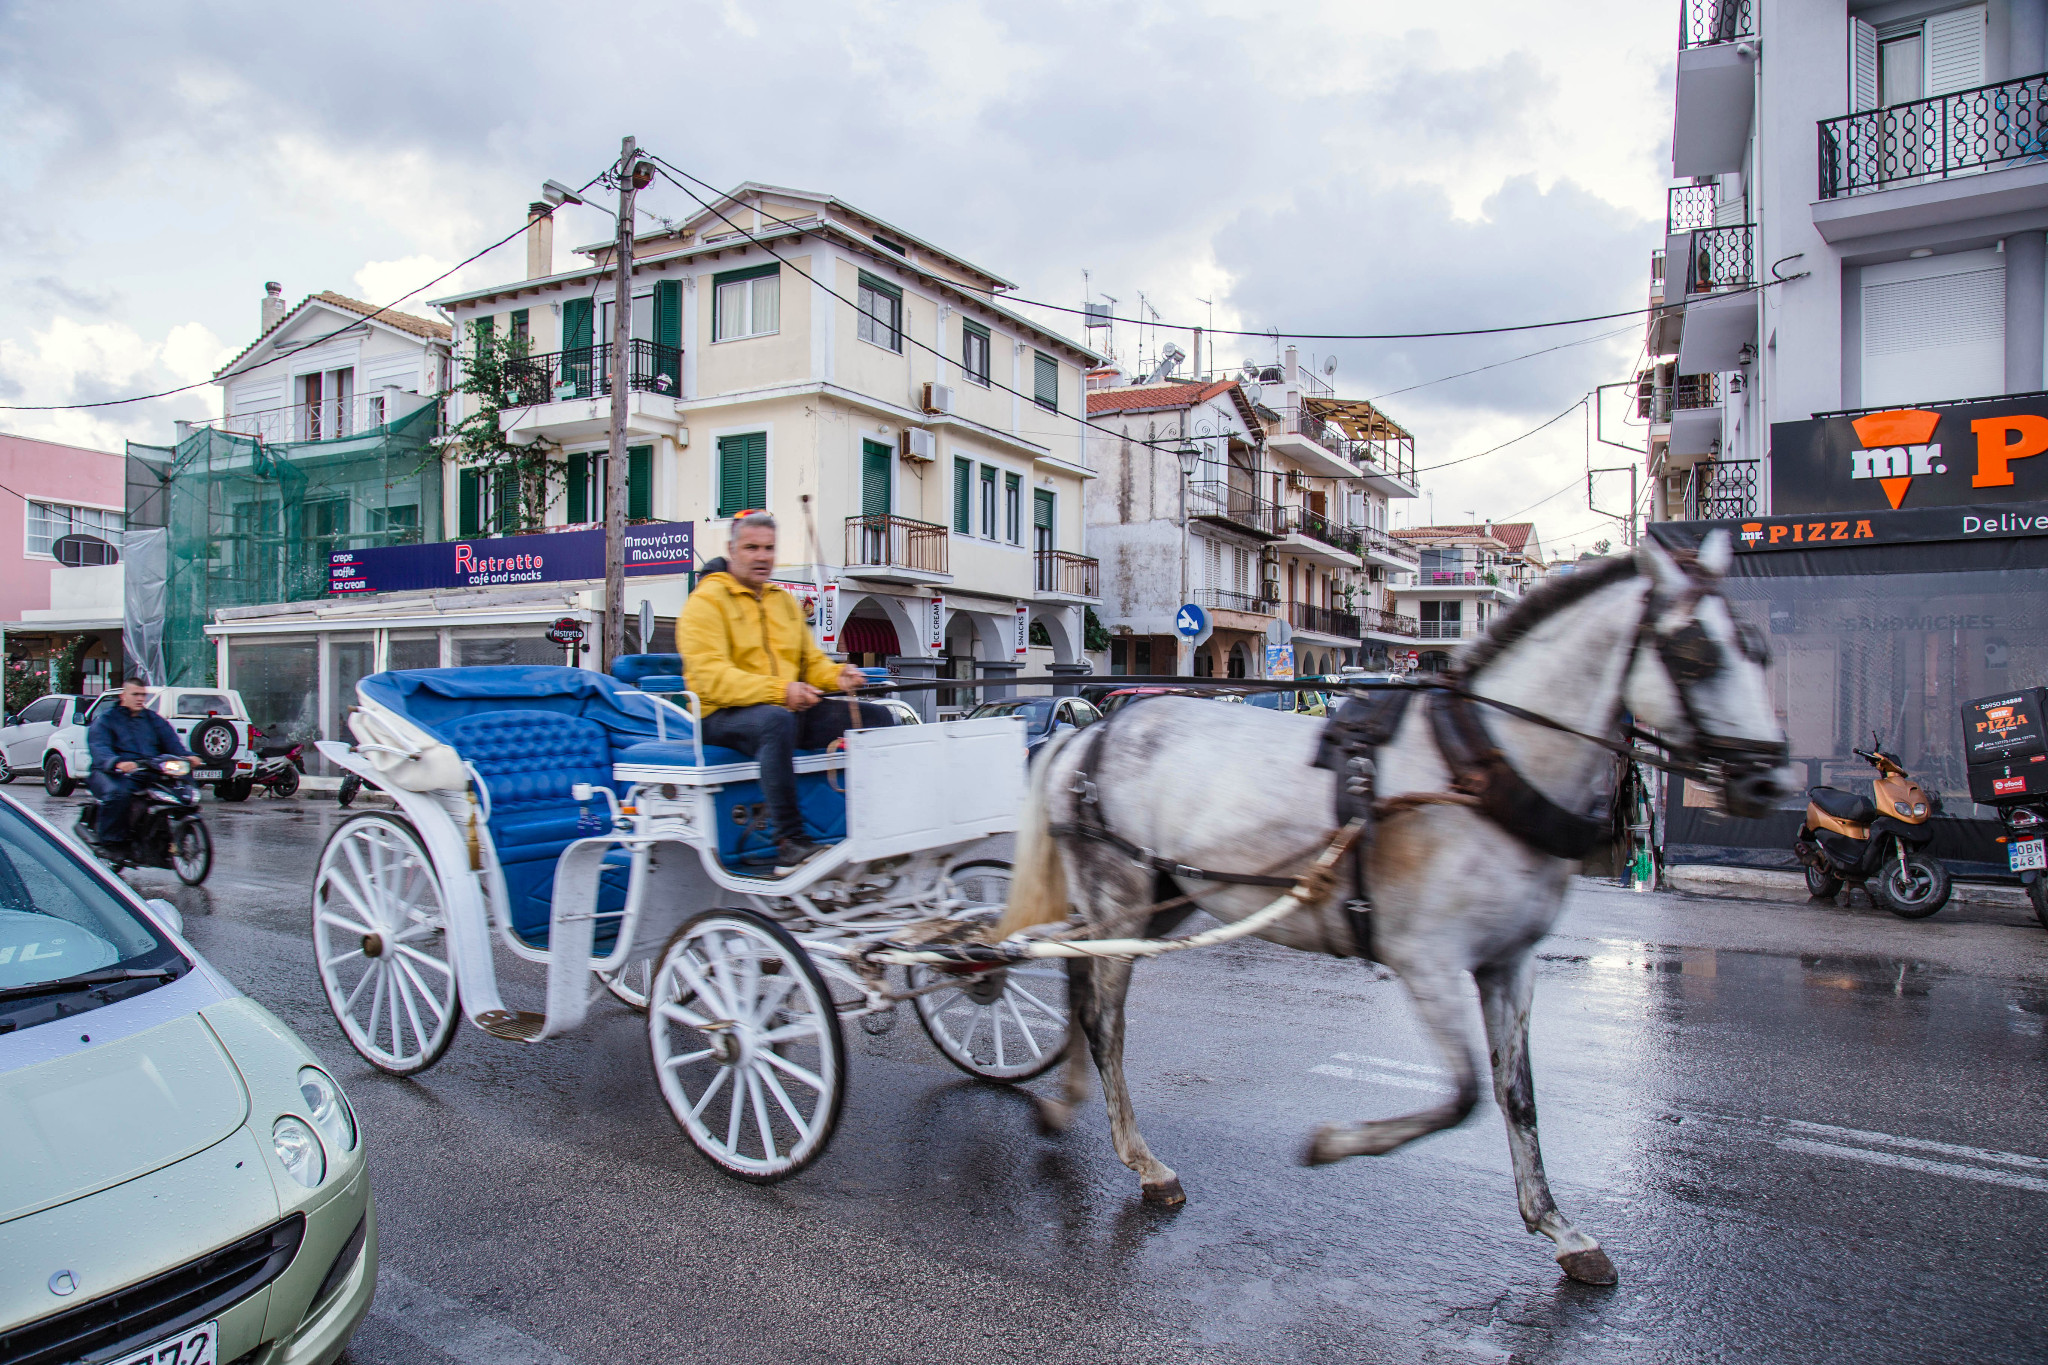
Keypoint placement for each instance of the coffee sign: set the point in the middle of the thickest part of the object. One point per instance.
(1904, 458)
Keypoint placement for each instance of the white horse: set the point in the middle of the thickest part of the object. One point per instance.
(1231, 788)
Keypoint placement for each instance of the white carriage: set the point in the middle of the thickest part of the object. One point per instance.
(571, 818)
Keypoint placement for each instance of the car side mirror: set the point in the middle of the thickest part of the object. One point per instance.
(168, 913)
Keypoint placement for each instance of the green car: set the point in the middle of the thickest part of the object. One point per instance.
(180, 1180)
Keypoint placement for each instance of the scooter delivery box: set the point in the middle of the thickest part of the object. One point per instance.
(2005, 745)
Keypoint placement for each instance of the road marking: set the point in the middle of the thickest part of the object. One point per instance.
(1389, 1061)
(1398, 1082)
(1916, 1163)
(2023, 1162)
(454, 1328)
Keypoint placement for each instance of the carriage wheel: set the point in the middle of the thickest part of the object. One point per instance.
(746, 1045)
(380, 940)
(628, 984)
(1003, 1023)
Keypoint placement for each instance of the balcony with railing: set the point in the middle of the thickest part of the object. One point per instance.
(896, 549)
(1716, 85)
(1060, 573)
(1721, 490)
(1722, 258)
(1706, 22)
(1377, 543)
(1324, 620)
(1390, 623)
(1660, 399)
(330, 419)
(1690, 207)
(1442, 630)
(1314, 526)
(1223, 599)
(586, 372)
(1966, 132)
(1232, 505)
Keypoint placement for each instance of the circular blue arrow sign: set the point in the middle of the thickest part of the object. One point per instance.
(1191, 621)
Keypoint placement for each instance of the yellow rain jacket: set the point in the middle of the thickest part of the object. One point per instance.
(742, 648)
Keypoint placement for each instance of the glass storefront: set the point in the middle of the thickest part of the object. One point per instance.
(416, 650)
(279, 679)
(507, 648)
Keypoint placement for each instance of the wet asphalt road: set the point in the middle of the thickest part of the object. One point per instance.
(1803, 1133)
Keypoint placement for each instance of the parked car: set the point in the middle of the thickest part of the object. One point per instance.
(26, 734)
(1124, 696)
(903, 711)
(184, 1180)
(212, 721)
(1043, 716)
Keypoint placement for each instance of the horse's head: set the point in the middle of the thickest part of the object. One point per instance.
(1698, 678)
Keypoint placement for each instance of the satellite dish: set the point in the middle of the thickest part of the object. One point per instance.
(1251, 368)
(1329, 367)
(1251, 390)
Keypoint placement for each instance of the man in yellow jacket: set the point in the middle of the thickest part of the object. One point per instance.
(761, 677)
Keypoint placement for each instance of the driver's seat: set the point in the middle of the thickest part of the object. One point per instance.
(1845, 806)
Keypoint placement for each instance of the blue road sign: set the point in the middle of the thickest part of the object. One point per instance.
(1191, 621)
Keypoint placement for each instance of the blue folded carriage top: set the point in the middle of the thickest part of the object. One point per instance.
(433, 697)
(650, 672)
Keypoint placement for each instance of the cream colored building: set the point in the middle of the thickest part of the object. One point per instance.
(788, 345)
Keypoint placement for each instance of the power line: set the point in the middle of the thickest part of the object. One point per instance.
(1511, 441)
(1528, 355)
(349, 327)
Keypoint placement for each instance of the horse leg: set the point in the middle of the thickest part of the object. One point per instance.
(1505, 990)
(1057, 1115)
(1099, 1015)
(1435, 994)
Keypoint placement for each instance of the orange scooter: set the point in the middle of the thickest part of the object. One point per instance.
(1876, 842)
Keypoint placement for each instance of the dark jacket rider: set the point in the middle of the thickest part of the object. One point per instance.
(124, 738)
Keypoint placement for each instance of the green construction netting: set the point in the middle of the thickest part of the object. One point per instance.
(252, 521)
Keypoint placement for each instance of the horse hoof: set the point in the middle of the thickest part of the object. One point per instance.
(1588, 1267)
(1054, 1118)
(1322, 1147)
(1168, 1192)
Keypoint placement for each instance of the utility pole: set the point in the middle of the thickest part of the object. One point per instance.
(621, 368)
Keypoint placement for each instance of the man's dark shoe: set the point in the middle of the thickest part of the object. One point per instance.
(793, 853)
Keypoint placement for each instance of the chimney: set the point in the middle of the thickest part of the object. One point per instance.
(540, 241)
(273, 306)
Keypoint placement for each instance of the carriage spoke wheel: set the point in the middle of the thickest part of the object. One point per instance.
(746, 1044)
(380, 941)
(628, 984)
(1000, 1024)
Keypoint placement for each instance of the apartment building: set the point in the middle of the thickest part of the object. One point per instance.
(1464, 577)
(922, 445)
(1858, 229)
(1260, 496)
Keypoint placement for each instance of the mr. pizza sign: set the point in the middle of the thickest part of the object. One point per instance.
(1956, 455)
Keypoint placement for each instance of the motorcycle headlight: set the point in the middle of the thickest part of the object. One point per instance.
(328, 1108)
(176, 767)
(1920, 808)
(1904, 809)
(299, 1152)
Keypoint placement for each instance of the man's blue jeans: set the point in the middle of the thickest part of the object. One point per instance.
(115, 791)
(771, 735)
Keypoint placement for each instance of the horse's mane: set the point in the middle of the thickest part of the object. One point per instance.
(1550, 596)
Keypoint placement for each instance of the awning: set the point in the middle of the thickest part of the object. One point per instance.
(868, 635)
(1360, 420)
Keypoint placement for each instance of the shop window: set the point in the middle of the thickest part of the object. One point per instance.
(414, 651)
(473, 651)
(279, 679)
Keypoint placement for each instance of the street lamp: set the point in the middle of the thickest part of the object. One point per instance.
(1189, 456)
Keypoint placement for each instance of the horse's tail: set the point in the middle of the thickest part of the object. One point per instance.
(1038, 879)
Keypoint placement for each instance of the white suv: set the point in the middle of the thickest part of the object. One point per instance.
(211, 720)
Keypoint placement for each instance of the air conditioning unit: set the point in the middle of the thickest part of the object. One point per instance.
(1295, 479)
(1269, 590)
(918, 444)
(938, 398)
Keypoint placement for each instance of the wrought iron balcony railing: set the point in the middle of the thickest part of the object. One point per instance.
(1316, 526)
(1706, 22)
(586, 372)
(1721, 490)
(1955, 134)
(1722, 258)
(1442, 630)
(1391, 623)
(1323, 620)
(1216, 500)
(888, 541)
(1068, 574)
(1379, 542)
(1222, 599)
(1656, 402)
(1687, 207)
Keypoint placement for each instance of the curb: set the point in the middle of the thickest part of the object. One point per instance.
(1757, 883)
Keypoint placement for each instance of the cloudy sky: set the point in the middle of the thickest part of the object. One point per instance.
(1355, 166)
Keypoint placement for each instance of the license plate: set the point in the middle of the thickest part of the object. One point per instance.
(206, 775)
(193, 1346)
(2031, 855)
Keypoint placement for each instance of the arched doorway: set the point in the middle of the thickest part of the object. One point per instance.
(1240, 664)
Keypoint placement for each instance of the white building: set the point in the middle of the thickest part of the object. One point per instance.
(327, 369)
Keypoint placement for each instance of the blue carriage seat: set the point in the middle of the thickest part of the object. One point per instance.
(529, 761)
(650, 672)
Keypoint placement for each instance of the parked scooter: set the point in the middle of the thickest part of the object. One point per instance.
(1876, 842)
(2005, 745)
(278, 767)
(164, 825)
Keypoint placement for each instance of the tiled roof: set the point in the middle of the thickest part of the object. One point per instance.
(1147, 397)
(1513, 534)
(403, 322)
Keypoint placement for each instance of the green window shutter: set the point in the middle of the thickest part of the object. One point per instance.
(963, 495)
(576, 324)
(881, 286)
(742, 472)
(505, 513)
(875, 459)
(520, 333)
(752, 272)
(576, 378)
(668, 335)
(485, 326)
(640, 483)
(1041, 519)
(469, 485)
(1046, 381)
(988, 501)
(579, 487)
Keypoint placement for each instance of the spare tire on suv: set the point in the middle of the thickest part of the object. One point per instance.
(214, 743)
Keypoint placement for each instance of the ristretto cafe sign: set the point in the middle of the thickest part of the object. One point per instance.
(1957, 455)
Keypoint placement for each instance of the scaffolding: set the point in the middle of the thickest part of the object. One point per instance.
(252, 521)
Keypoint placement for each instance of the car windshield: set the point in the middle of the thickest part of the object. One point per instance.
(58, 920)
(107, 702)
(1036, 712)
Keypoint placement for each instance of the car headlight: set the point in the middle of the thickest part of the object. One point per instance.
(176, 767)
(1920, 809)
(328, 1108)
(299, 1151)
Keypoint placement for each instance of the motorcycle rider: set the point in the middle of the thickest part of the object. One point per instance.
(123, 739)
